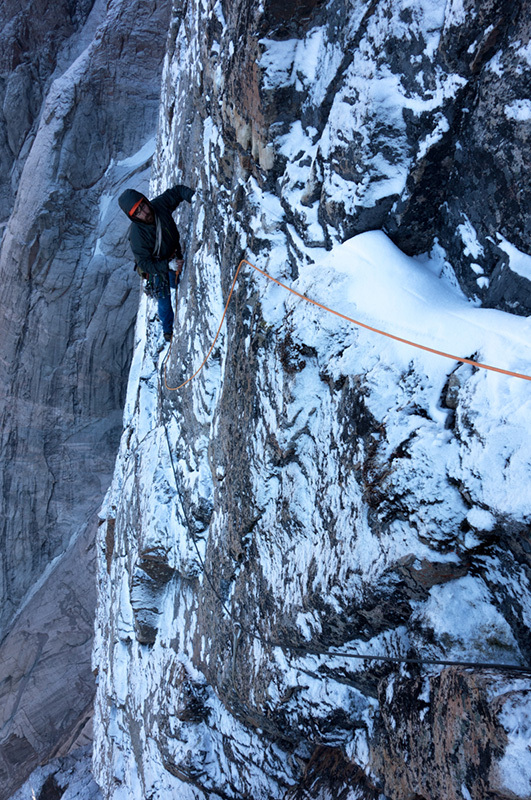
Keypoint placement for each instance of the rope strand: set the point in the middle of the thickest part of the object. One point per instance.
(460, 359)
(209, 578)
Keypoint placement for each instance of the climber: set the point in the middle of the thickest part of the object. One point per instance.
(154, 240)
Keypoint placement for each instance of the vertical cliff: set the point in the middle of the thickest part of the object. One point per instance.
(79, 92)
(319, 500)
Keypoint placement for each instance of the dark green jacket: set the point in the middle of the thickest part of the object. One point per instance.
(142, 236)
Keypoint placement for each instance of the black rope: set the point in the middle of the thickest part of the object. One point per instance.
(432, 661)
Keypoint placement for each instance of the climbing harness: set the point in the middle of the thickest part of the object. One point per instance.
(419, 346)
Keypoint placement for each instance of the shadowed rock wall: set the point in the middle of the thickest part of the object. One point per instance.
(475, 177)
(34, 35)
(80, 97)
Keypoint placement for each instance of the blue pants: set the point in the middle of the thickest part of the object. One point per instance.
(165, 309)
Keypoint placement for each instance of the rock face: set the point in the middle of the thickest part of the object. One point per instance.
(68, 777)
(316, 494)
(36, 40)
(78, 121)
(461, 732)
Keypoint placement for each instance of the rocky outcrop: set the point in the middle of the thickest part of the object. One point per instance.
(47, 687)
(461, 732)
(37, 39)
(79, 117)
(68, 777)
(316, 495)
(472, 181)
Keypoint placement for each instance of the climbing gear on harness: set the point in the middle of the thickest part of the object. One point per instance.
(155, 286)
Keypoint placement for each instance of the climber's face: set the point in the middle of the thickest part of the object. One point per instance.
(144, 213)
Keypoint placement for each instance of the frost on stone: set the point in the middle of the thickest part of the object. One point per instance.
(319, 495)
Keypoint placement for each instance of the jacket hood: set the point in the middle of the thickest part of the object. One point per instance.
(129, 200)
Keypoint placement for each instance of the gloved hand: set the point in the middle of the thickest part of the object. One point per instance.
(179, 263)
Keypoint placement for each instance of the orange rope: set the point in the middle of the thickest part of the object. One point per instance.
(342, 316)
(175, 388)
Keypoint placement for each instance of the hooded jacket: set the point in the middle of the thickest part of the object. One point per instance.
(142, 235)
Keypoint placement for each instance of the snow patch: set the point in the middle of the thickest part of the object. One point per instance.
(455, 14)
(480, 519)
(442, 126)
(519, 110)
(495, 64)
(470, 239)
(518, 262)
(139, 158)
(461, 614)
(525, 53)
(515, 766)
(306, 64)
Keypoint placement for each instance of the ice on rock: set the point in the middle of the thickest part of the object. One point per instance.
(318, 491)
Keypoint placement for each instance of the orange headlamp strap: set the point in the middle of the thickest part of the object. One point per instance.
(135, 207)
